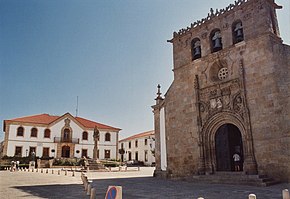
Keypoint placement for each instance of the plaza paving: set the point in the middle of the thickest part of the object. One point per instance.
(136, 184)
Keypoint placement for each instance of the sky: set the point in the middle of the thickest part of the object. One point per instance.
(109, 54)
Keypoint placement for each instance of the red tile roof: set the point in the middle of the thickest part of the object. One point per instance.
(48, 119)
(139, 135)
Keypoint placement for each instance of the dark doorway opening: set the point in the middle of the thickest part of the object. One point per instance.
(228, 141)
(65, 152)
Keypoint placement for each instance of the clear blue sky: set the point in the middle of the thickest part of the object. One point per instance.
(112, 54)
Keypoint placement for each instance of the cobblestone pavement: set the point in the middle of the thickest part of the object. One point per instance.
(135, 184)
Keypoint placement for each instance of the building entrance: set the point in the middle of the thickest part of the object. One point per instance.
(228, 141)
(65, 152)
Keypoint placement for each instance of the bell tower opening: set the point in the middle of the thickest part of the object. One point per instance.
(228, 141)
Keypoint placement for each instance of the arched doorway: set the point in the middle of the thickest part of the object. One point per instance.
(65, 152)
(228, 141)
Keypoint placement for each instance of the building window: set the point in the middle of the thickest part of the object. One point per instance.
(18, 151)
(107, 154)
(20, 131)
(66, 135)
(85, 153)
(195, 49)
(32, 151)
(122, 145)
(85, 135)
(136, 143)
(108, 137)
(238, 33)
(136, 155)
(130, 155)
(47, 133)
(146, 141)
(216, 40)
(33, 132)
(130, 145)
(45, 152)
(146, 156)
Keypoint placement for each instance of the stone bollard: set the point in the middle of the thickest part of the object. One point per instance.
(89, 189)
(65, 172)
(252, 196)
(93, 193)
(58, 172)
(32, 170)
(73, 173)
(285, 194)
(41, 171)
(46, 170)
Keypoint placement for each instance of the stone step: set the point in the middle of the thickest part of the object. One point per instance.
(235, 178)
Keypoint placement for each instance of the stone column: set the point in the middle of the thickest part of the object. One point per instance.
(96, 138)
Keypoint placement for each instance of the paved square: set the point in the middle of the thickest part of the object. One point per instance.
(136, 184)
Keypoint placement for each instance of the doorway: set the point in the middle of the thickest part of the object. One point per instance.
(228, 141)
(65, 152)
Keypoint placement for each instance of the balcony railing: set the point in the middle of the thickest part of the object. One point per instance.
(69, 140)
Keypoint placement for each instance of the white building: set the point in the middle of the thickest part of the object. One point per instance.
(58, 136)
(140, 147)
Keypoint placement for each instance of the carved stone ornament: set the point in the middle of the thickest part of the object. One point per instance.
(67, 122)
(220, 97)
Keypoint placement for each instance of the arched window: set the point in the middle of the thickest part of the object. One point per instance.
(66, 135)
(195, 48)
(20, 131)
(108, 137)
(238, 33)
(47, 133)
(85, 135)
(33, 132)
(216, 40)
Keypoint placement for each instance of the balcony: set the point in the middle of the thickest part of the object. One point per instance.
(66, 140)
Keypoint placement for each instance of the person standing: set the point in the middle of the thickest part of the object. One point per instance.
(237, 159)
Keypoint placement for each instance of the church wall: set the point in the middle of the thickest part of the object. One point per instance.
(266, 66)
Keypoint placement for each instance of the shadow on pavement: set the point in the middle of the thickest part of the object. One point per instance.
(63, 191)
(149, 187)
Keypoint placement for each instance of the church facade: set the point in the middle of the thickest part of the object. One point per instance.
(230, 94)
(63, 136)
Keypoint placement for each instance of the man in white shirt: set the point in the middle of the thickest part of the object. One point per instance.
(237, 159)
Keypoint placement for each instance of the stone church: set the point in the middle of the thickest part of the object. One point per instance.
(230, 94)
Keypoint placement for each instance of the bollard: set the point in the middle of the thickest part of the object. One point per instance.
(138, 168)
(110, 169)
(58, 172)
(46, 170)
(32, 170)
(89, 189)
(285, 194)
(93, 193)
(36, 170)
(52, 171)
(252, 196)
(126, 168)
(65, 172)
(73, 173)
(41, 171)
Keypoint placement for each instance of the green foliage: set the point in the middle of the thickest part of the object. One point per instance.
(67, 162)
